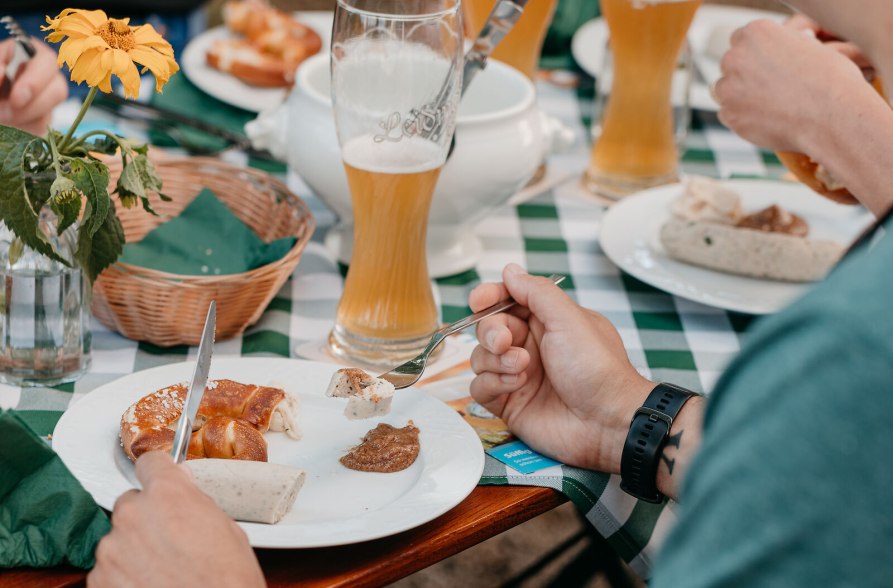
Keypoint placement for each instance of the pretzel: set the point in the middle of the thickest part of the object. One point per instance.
(816, 177)
(273, 47)
(229, 424)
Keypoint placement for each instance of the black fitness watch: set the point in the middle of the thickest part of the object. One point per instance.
(648, 433)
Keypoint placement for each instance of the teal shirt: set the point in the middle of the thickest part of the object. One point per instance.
(794, 482)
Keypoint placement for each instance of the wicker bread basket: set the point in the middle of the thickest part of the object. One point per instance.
(169, 309)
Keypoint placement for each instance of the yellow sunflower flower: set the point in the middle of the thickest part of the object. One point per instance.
(98, 47)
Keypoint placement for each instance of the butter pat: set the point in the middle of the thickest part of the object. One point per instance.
(250, 491)
(367, 396)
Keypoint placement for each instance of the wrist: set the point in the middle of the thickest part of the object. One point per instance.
(632, 393)
(654, 441)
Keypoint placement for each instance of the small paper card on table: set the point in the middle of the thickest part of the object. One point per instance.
(518, 456)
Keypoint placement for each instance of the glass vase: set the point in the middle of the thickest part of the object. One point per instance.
(45, 336)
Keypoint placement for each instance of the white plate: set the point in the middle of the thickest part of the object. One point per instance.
(630, 231)
(231, 90)
(588, 45)
(336, 505)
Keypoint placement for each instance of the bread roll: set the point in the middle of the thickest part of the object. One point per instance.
(749, 252)
(249, 491)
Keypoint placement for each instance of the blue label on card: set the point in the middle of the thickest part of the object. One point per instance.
(518, 456)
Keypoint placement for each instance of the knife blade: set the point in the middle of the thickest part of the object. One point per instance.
(196, 387)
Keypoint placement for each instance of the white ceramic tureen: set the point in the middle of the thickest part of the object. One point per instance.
(502, 137)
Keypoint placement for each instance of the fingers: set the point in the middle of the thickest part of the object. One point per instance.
(801, 22)
(124, 500)
(852, 53)
(34, 77)
(491, 390)
(512, 362)
(6, 49)
(499, 332)
(486, 295)
(544, 299)
(37, 112)
(156, 465)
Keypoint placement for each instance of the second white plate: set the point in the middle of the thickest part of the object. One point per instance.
(630, 229)
(231, 90)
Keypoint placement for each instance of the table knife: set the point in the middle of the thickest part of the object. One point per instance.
(501, 20)
(196, 387)
(151, 114)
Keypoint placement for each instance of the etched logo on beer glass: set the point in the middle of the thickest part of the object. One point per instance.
(396, 78)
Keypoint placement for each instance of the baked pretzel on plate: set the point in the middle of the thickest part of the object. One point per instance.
(230, 424)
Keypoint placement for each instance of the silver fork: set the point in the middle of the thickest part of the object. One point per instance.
(407, 374)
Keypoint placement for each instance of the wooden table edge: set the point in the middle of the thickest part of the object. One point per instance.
(485, 513)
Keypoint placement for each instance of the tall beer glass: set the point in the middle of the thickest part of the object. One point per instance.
(396, 79)
(635, 142)
(521, 47)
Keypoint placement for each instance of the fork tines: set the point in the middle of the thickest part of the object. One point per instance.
(15, 31)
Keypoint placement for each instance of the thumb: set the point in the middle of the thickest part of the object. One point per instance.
(544, 299)
(851, 52)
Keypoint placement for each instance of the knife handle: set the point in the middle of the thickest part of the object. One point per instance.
(500, 22)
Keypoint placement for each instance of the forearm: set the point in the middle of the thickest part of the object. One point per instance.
(856, 146)
(682, 444)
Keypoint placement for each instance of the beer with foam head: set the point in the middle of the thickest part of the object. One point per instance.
(636, 145)
(521, 47)
(396, 79)
(387, 294)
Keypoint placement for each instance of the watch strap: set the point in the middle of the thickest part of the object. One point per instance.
(648, 433)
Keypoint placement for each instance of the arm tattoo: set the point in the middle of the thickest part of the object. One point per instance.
(672, 441)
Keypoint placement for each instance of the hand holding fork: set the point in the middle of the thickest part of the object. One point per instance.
(31, 84)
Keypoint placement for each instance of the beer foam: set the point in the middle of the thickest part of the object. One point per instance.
(408, 156)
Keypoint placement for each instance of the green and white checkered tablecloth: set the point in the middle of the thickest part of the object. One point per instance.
(667, 338)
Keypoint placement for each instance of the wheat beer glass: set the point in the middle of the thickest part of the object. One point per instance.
(635, 139)
(521, 47)
(396, 80)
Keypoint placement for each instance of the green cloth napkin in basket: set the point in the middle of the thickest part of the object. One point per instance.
(205, 239)
(46, 516)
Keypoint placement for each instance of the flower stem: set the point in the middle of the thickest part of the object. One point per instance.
(55, 152)
(84, 107)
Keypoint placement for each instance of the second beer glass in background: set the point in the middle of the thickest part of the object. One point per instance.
(637, 125)
(521, 47)
(396, 77)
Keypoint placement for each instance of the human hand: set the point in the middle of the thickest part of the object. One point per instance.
(39, 86)
(172, 534)
(804, 24)
(780, 87)
(556, 373)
